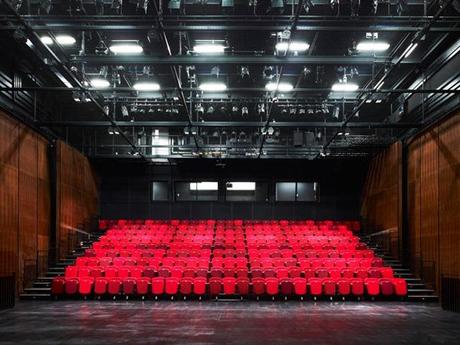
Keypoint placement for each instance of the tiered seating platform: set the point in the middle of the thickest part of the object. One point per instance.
(221, 258)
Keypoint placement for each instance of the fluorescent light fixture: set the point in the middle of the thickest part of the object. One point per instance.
(65, 40)
(379, 84)
(345, 87)
(284, 87)
(99, 83)
(47, 40)
(146, 86)
(410, 49)
(372, 46)
(213, 86)
(293, 47)
(126, 48)
(378, 101)
(209, 48)
(203, 186)
(244, 186)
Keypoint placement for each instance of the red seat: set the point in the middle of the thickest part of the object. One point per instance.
(142, 286)
(111, 272)
(295, 272)
(71, 272)
(329, 287)
(286, 286)
(149, 272)
(309, 273)
(58, 286)
(176, 272)
(124, 272)
(361, 273)
(374, 273)
(158, 286)
(85, 285)
(96, 272)
(164, 272)
(199, 286)
(217, 273)
(100, 286)
(347, 273)
(400, 286)
(242, 273)
(282, 273)
(257, 273)
(386, 272)
(386, 287)
(171, 286)
(189, 273)
(242, 285)
(300, 286)
(335, 274)
(186, 285)
(229, 285)
(272, 286)
(372, 286)
(71, 286)
(258, 286)
(114, 286)
(215, 286)
(357, 286)
(322, 273)
(137, 272)
(343, 287)
(270, 273)
(315, 286)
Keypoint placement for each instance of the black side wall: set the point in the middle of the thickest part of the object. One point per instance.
(126, 189)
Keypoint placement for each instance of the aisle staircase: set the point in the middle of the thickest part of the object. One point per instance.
(417, 290)
(41, 288)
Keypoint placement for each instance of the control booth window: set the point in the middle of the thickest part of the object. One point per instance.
(297, 191)
(246, 191)
(197, 191)
(160, 191)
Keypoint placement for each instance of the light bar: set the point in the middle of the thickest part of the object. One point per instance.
(146, 86)
(345, 87)
(284, 87)
(238, 186)
(65, 40)
(410, 49)
(213, 86)
(203, 185)
(47, 40)
(209, 48)
(372, 46)
(294, 46)
(126, 48)
(99, 83)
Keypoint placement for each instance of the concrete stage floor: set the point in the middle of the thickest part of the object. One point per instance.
(208, 322)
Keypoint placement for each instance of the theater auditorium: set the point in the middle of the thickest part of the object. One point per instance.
(229, 172)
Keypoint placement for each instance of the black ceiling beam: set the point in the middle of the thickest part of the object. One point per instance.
(242, 124)
(232, 59)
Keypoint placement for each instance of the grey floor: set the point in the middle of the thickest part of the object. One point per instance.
(192, 322)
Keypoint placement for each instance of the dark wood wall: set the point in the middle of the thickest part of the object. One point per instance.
(434, 203)
(77, 196)
(381, 199)
(24, 201)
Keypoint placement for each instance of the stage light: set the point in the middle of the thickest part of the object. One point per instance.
(244, 110)
(199, 109)
(268, 73)
(345, 87)
(282, 86)
(65, 40)
(293, 47)
(77, 96)
(126, 48)
(372, 46)
(336, 112)
(209, 48)
(146, 86)
(213, 86)
(47, 40)
(124, 111)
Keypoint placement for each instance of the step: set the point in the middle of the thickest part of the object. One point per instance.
(38, 290)
(412, 279)
(42, 284)
(42, 278)
(421, 291)
(416, 285)
(402, 275)
(32, 296)
(57, 269)
(423, 298)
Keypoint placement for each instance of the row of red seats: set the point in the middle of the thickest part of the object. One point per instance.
(179, 272)
(125, 222)
(229, 286)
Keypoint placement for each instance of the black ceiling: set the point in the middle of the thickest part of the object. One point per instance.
(397, 94)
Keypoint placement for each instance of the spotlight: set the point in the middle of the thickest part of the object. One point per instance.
(244, 72)
(186, 130)
(77, 96)
(124, 111)
(244, 110)
(268, 73)
(106, 110)
(260, 108)
(336, 112)
(302, 111)
(101, 48)
(16, 4)
(292, 111)
(235, 109)
(116, 5)
(45, 7)
(141, 6)
(210, 110)
(199, 109)
(375, 5)
(270, 130)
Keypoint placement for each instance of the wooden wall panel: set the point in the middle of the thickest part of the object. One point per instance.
(434, 203)
(24, 200)
(381, 197)
(77, 195)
